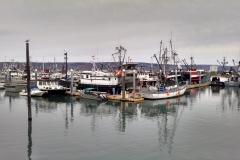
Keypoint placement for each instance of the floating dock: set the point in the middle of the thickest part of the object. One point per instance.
(68, 93)
(198, 85)
(128, 98)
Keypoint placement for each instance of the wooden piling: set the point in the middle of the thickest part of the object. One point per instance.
(123, 85)
(28, 83)
(66, 64)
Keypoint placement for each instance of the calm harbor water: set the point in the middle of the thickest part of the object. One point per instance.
(202, 124)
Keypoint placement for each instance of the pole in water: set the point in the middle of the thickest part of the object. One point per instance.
(200, 80)
(28, 82)
(123, 85)
(134, 85)
(66, 63)
(71, 82)
(190, 78)
(36, 77)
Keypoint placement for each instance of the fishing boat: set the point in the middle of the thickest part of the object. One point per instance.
(15, 87)
(34, 91)
(165, 90)
(111, 79)
(230, 77)
(51, 87)
(91, 93)
(192, 73)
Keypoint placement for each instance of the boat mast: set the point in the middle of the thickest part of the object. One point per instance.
(165, 61)
(94, 66)
(160, 55)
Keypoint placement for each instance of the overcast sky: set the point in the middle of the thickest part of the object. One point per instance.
(207, 30)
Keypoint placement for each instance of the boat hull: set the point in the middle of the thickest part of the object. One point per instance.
(33, 94)
(54, 92)
(15, 87)
(154, 95)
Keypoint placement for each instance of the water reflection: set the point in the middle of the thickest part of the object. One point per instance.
(229, 99)
(216, 89)
(167, 113)
(44, 104)
(126, 110)
(2, 92)
(11, 97)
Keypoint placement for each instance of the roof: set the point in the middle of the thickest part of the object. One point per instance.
(32, 87)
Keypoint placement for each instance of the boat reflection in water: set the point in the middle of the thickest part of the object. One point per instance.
(229, 99)
(167, 114)
(12, 94)
(216, 89)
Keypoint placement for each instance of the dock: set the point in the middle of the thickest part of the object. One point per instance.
(192, 86)
(128, 98)
(68, 93)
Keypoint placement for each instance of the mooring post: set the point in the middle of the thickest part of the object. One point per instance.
(200, 79)
(190, 78)
(28, 82)
(71, 82)
(36, 77)
(123, 85)
(66, 63)
(134, 85)
(9, 76)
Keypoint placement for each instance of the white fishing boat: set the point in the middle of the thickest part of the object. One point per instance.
(34, 90)
(111, 79)
(164, 90)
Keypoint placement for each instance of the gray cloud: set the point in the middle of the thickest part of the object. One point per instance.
(206, 30)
